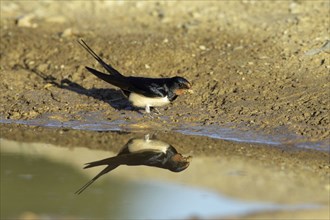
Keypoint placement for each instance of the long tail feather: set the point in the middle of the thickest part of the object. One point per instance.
(116, 81)
(106, 161)
(108, 67)
(104, 171)
(79, 191)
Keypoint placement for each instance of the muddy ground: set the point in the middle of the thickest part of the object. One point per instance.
(253, 65)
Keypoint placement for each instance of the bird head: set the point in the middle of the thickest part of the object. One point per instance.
(178, 163)
(180, 86)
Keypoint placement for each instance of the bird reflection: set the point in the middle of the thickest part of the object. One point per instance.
(139, 151)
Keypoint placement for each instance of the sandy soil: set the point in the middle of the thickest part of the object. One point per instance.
(253, 65)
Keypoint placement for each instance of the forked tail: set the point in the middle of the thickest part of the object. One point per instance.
(108, 67)
(104, 171)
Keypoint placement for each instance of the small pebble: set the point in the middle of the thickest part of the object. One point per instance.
(67, 33)
(26, 21)
(42, 67)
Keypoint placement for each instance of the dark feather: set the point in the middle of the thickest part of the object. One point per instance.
(149, 87)
(106, 66)
(120, 82)
(104, 171)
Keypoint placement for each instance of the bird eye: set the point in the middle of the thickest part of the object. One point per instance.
(183, 85)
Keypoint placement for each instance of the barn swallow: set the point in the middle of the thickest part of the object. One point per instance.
(141, 92)
(138, 151)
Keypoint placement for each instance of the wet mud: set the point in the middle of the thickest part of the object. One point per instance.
(257, 67)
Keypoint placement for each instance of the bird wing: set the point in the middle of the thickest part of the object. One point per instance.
(111, 162)
(149, 87)
(126, 158)
(106, 66)
(135, 159)
(106, 161)
(144, 86)
(120, 82)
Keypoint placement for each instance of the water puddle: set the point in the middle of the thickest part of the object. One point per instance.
(44, 177)
(95, 122)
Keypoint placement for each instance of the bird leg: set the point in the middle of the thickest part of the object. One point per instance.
(156, 110)
(147, 108)
(147, 137)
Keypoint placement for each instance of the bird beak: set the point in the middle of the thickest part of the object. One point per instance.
(188, 159)
(183, 91)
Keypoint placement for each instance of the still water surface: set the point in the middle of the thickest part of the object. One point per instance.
(96, 123)
(40, 180)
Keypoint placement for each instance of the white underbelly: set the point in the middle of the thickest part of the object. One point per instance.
(144, 145)
(143, 101)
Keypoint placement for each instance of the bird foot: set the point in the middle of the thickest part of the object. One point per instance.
(156, 111)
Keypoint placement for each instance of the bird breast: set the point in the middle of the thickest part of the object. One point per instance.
(142, 101)
(147, 145)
